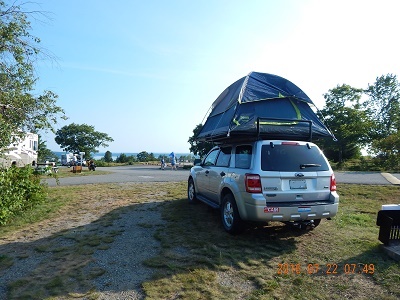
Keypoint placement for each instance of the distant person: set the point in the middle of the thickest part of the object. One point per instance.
(162, 163)
(173, 161)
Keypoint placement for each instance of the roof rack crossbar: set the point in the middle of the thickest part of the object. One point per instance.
(284, 120)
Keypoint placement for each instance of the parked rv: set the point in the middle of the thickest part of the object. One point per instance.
(21, 152)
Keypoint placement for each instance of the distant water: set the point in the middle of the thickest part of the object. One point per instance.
(100, 155)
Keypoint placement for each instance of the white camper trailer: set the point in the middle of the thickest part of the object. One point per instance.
(24, 151)
(68, 159)
(71, 159)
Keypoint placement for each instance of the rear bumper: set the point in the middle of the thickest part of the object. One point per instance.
(260, 212)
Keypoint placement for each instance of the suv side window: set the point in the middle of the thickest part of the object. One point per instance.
(224, 157)
(211, 157)
(243, 156)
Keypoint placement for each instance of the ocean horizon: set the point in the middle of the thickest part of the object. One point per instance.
(114, 155)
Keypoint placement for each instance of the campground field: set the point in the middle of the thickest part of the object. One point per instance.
(71, 246)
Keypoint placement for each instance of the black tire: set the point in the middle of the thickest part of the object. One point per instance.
(231, 220)
(191, 192)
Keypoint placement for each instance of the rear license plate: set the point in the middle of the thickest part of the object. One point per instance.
(297, 184)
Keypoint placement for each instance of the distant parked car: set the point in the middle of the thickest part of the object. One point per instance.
(266, 180)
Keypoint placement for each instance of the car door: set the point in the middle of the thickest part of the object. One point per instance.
(202, 173)
(218, 172)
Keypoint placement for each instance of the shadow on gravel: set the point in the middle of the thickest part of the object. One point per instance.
(116, 254)
(104, 255)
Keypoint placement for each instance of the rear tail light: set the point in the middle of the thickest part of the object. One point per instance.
(333, 183)
(253, 183)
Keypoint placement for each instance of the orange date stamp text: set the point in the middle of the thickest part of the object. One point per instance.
(325, 269)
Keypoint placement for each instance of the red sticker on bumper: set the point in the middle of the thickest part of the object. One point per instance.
(271, 209)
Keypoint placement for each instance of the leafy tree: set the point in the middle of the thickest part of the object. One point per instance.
(81, 138)
(384, 105)
(347, 120)
(44, 153)
(151, 157)
(20, 107)
(389, 151)
(108, 156)
(143, 156)
(122, 158)
(197, 147)
(132, 159)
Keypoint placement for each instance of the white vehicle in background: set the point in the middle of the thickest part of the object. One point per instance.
(22, 152)
(68, 159)
(71, 159)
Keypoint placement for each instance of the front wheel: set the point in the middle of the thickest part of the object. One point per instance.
(191, 191)
(231, 220)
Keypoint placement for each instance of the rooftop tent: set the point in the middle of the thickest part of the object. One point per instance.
(264, 106)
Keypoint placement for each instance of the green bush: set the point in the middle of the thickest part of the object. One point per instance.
(101, 163)
(20, 190)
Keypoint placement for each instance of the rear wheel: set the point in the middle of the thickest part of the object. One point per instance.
(191, 191)
(231, 220)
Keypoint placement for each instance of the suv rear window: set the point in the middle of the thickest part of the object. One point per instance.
(294, 158)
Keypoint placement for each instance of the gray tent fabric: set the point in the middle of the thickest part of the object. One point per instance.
(262, 106)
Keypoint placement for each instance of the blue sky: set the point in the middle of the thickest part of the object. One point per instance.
(146, 72)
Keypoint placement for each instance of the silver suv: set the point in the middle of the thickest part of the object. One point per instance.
(267, 180)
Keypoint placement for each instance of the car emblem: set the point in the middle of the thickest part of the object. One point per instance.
(299, 174)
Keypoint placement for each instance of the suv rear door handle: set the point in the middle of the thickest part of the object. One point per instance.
(222, 174)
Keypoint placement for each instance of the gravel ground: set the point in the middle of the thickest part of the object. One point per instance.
(122, 262)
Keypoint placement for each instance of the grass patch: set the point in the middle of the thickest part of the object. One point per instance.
(199, 260)
(68, 172)
(337, 260)
(5, 262)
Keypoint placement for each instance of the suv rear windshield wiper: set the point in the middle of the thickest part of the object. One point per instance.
(303, 166)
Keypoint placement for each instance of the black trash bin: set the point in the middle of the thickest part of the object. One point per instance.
(389, 222)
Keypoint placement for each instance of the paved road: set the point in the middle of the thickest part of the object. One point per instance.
(367, 178)
(154, 174)
(126, 174)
